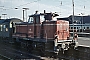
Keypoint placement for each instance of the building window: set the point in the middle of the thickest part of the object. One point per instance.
(84, 27)
(77, 27)
(74, 27)
(71, 27)
(87, 27)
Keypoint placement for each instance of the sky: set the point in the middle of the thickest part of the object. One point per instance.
(63, 7)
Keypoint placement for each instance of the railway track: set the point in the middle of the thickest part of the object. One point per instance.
(8, 51)
(17, 52)
(81, 53)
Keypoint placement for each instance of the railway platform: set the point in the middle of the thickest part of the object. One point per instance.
(83, 41)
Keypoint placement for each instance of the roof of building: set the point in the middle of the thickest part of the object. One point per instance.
(77, 19)
(1, 21)
(9, 20)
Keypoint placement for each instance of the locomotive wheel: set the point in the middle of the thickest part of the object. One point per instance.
(65, 46)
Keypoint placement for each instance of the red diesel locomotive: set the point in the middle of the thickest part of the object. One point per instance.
(43, 33)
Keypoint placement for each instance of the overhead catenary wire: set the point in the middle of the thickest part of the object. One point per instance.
(33, 2)
(78, 7)
(65, 6)
(37, 1)
(9, 8)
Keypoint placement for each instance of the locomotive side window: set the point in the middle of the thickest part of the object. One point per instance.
(37, 19)
(42, 18)
(30, 20)
(34, 19)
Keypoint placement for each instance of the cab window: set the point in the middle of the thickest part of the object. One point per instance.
(31, 20)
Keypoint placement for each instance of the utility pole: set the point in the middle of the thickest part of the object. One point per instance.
(61, 7)
(73, 17)
(82, 22)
